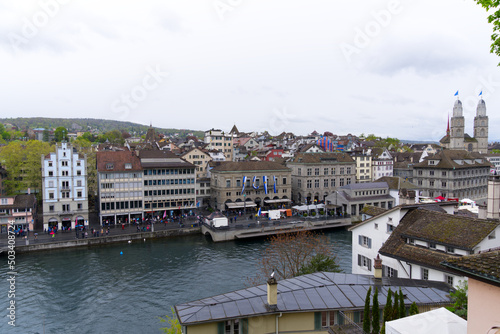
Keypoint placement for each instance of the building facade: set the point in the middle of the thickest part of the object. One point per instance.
(120, 186)
(64, 188)
(363, 167)
(316, 175)
(200, 159)
(249, 184)
(218, 140)
(453, 174)
(19, 209)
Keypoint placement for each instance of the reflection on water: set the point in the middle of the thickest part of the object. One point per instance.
(98, 290)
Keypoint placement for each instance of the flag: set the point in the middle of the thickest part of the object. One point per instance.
(197, 204)
(264, 180)
(253, 183)
(481, 93)
(456, 94)
(274, 185)
(165, 214)
(243, 187)
(258, 213)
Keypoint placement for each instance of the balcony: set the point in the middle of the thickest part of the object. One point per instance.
(65, 188)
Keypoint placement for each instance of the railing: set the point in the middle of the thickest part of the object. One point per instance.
(348, 326)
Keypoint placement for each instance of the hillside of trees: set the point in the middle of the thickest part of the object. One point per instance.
(86, 124)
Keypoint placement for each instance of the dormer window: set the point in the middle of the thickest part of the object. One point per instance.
(109, 166)
(128, 166)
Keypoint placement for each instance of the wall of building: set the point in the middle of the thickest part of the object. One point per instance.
(483, 306)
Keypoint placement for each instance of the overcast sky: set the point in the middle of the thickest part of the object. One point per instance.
(385, 67)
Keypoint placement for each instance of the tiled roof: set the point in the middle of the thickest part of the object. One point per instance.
(310, 293)
(484, 265)
(372, 210)
(237, 166)
(396, 182)
(317, 158)
(441, 228)
(447, 160)
(365, 186)
(117, 159)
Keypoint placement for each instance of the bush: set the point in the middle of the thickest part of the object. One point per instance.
(305, 214)
(322, 212)
(313, 213)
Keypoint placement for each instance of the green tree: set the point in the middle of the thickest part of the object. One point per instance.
(46, 135)
(387, 310)
(413, 308)
(173, 325)
(376, 313)
(459, 298)
(495, 19)
(320, 262)
(22, 160)
(61, 134)
(395, 308)
(366, 312)
(402, 310)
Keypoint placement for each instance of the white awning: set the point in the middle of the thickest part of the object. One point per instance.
(282, 200)
(237, 205)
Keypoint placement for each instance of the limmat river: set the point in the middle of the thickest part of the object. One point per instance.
(97, 290)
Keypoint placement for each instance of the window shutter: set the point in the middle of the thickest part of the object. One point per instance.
(359, 259)
(356, 317)
(340, 318)
(317, 320)
(369, 264)
(369, 242)
(384, 271)
(221, 327)
(395, 273)
(244, 326)
(360, 239)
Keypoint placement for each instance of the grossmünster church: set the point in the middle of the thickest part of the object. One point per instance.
(457, 139)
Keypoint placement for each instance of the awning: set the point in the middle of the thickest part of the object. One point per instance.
(281, 200)
(237, 205)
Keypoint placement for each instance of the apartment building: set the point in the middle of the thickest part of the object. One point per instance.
(220, 141)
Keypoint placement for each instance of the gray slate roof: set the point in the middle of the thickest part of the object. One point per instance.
(310, 293)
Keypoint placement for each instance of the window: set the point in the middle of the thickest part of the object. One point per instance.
(109, 166)
(51, 195)
(79, 183)
(431, 183)
(365, 241)
(79, 194)
(309, 171)
(341, 182)
(51, 208)
(389, 272)
(78, 173)
(364, 262)
(128, 166)
(450, 250)
(448, 279)
(316, 183)
(309, 183)
(425, 274)
(228, 183)
(431, 173)
(492, 235)
(284, 180)
(376, 226)
(78, 163)
(390, 228)
(233, 326)
(325, 183)
(316, 171)
(332, 183)
(327, 318)
(299, 171)
(51, 173)
(299, 183)
(432, 245)
(64, 163)
(325, 171)
(341, 170)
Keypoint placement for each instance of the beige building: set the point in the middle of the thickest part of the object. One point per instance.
(249, 184)
(200, 159)
(483, 272)
(316, 175)
(363, 168)
(314, 303)
(220, 141)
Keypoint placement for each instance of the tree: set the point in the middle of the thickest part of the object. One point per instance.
(402, 310)
(413, 308)
(291, 254)
(495, 19)
(459, 298)
(46, 135)
(60, 134)
(375, 313)
(174, 327)
(387, 310)
(395, 308)
(366, 313)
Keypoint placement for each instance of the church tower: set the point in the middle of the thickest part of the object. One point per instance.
(457, 127)
(481, 127)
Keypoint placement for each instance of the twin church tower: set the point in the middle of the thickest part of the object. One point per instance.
(457, 139)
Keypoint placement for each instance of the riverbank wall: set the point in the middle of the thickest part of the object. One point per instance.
(89, 242)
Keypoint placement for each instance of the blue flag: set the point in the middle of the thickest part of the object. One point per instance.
(481, 93)
(456, 94)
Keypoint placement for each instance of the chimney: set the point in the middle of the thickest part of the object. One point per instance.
(378, 267)
(272, 293)
(493, 205)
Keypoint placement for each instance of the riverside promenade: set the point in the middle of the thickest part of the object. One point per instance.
(68, 239)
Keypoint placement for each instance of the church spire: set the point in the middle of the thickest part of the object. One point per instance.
(448, 128)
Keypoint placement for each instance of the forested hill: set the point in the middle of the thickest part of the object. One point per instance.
(86, 124)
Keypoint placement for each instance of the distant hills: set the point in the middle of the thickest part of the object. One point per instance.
(88, 124)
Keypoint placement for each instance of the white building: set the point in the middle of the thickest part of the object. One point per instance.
(64, 188)
(382, 163)
(220, 141)
(413, 240)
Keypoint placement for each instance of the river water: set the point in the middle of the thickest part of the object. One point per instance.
(97, 290)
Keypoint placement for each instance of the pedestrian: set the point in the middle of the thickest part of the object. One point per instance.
(86, 234)
(102, 231)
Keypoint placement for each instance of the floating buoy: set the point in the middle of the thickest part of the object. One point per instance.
(121, 253)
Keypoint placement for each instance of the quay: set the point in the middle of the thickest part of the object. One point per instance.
(256, 229)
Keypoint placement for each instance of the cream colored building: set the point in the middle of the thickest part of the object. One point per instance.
(200, 159)
(220, 141)
(363, 168)
(240, 185)
(314, 303)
